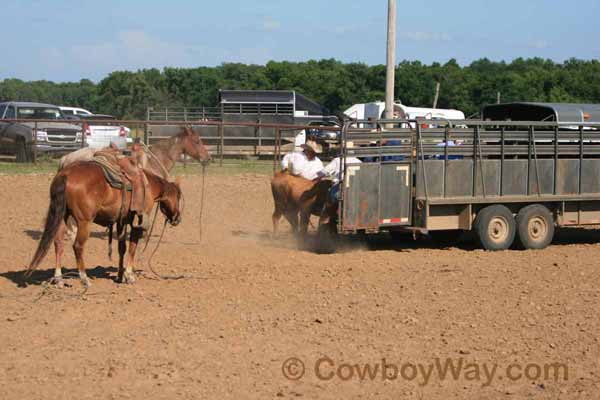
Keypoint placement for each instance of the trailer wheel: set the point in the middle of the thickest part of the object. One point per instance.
(495, 227)
(535, 226)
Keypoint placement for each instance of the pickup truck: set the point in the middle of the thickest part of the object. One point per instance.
(18, 130)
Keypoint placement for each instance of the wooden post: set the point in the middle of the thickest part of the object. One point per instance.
(222, 135)
(277, 149)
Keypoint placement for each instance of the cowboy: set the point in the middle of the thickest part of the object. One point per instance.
(335, 171)
(305, 164)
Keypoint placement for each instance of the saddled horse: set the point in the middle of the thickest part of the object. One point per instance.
(297, 196)
(163, 155)
(160, 159)
(82, 192)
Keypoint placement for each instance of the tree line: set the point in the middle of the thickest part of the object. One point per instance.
(334, 84)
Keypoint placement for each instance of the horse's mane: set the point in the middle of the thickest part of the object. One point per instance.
(166, 144)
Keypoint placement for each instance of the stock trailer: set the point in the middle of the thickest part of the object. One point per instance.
(509, 182)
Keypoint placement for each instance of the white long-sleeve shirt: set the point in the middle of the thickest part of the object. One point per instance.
(298, 164)
(333, 168)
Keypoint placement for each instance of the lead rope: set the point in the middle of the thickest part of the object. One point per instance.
(202, 201)
(149, 263)
(149, 233)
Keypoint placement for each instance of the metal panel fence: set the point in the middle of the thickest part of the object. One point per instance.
(271, 136)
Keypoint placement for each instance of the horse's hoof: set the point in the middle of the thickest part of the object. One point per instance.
(85, 281)
(58, 282)
(129, 278)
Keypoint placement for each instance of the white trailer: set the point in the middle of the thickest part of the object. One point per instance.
(375, 110)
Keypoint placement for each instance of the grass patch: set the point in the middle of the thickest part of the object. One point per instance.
(230, 167)
(42, 167)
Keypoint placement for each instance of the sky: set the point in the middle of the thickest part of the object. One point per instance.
(70, 40)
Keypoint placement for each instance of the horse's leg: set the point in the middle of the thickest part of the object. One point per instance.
(134, 237)
(59, 249)
(83, 233)
(122, 248)
(71, 229)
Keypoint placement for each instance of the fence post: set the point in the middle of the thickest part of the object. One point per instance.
(277, 149)
(221, 147)
(34, 153)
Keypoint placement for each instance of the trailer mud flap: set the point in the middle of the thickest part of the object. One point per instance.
(376, 195)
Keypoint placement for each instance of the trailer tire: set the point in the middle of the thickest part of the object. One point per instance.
(495, 227)
(535, 227)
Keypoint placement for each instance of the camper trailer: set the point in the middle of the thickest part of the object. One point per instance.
(374, 111)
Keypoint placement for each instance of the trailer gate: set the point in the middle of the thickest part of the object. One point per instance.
(376, 192)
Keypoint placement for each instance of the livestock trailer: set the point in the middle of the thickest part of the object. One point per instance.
(504, 180)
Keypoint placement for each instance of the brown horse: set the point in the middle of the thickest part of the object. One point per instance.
(160, 160)
(295, 195)
(164, 154)
(82, 192)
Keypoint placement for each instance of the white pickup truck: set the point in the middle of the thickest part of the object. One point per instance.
(101, 131)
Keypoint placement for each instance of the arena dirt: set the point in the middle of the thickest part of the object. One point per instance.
(249, 303)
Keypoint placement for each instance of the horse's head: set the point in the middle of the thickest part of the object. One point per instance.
(193, 146)
(171, 202)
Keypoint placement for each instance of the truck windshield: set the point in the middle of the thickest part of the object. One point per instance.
(38, 113)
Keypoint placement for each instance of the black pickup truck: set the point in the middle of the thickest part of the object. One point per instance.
(17, 126)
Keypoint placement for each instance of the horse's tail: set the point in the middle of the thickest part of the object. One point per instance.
(56, 214)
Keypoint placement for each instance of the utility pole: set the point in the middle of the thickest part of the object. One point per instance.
(390, 78)
(437, 94)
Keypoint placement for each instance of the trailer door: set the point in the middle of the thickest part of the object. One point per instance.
(376, 195)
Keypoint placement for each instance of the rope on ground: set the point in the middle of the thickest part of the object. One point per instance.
(47, 287)
(149, 263)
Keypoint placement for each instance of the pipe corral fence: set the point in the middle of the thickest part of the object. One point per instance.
(270, 139)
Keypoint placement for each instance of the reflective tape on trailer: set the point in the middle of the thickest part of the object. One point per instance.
(393, 221)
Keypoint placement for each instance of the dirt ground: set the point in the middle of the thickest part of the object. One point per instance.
(248, 303)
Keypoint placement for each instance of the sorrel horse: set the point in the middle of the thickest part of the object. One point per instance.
(164, 154)
(82, 192)
(161, 159)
